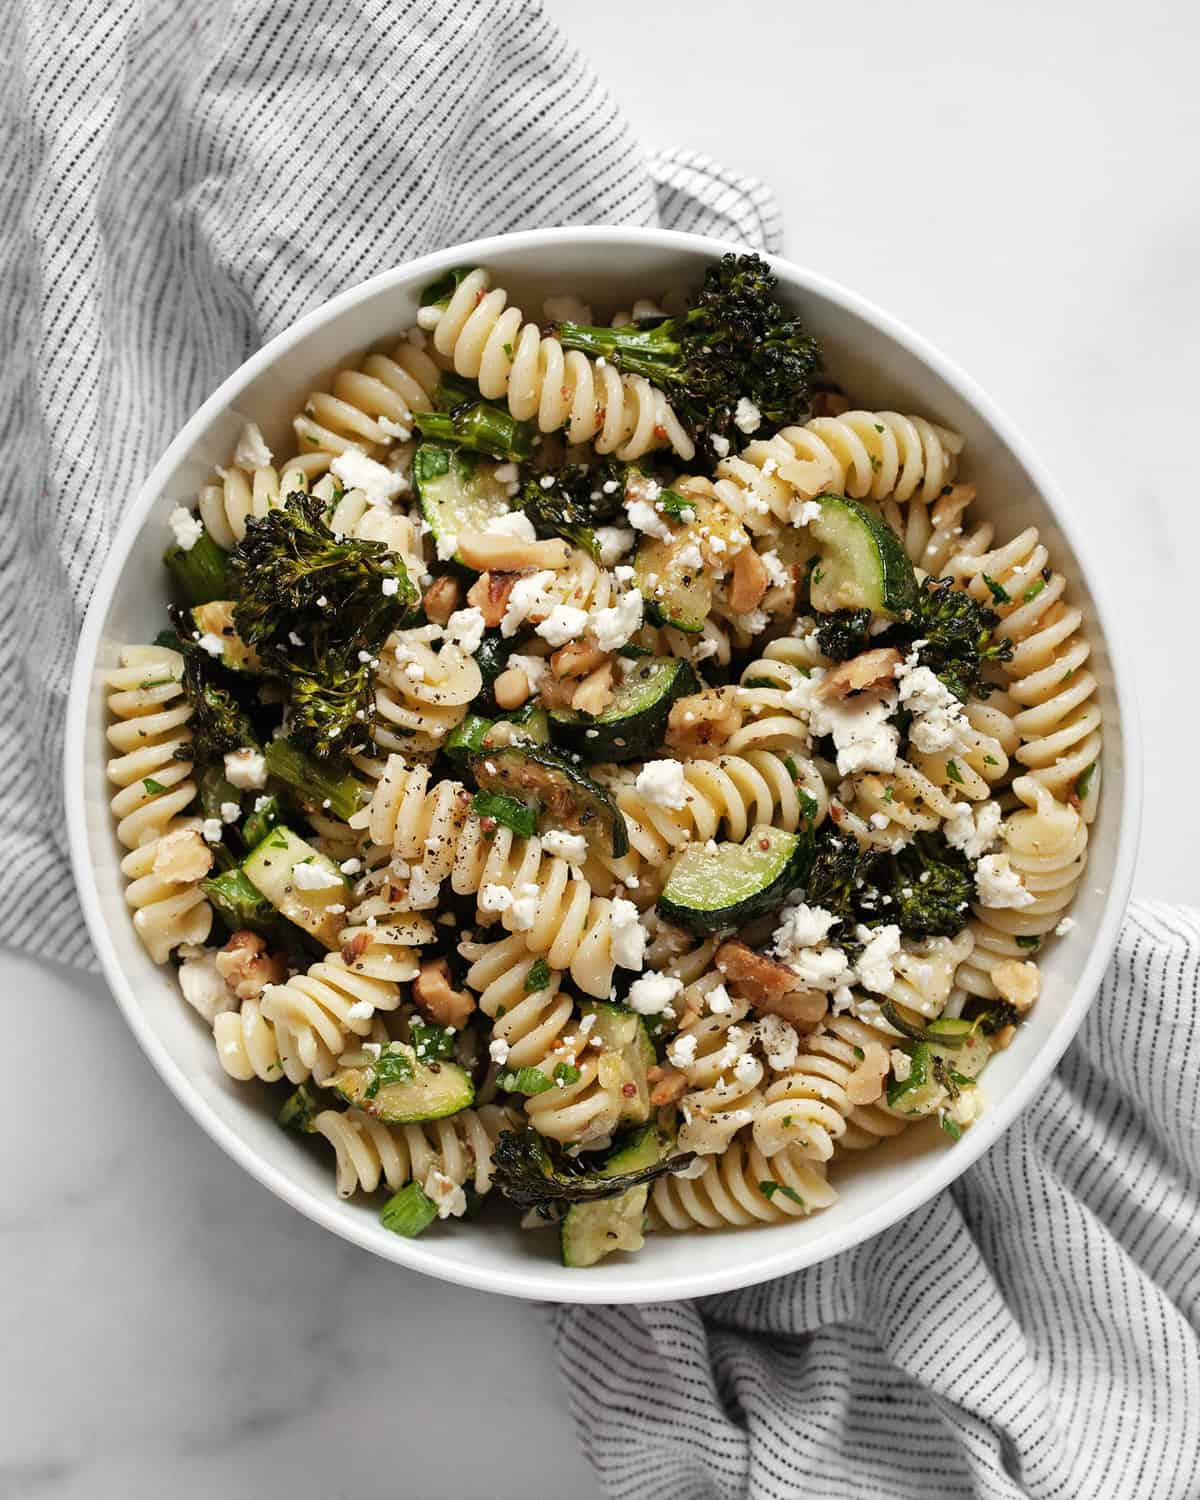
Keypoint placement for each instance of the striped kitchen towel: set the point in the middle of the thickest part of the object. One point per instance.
(180, 182)
(1034, 1332)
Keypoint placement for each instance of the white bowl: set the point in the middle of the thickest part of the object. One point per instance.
(882, 364)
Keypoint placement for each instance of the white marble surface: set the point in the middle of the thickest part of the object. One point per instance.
(1020, 184)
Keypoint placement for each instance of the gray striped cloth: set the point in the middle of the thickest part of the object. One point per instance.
(178, 183)
(1034, 1332)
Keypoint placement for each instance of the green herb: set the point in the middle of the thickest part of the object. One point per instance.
(889, 794)
(789, 765)
(1028, 942)
(769, 1189)
(876, 465)
(787, 1121)
(1034, 590)
(430, 1042)
(818, 574)
(1084, 785)
(389, 1067)
(564, 1074)
(501, 1010)
(675, 506)
(507, 810)
(153, 682)
(997, 590)
(152, 786)
(410, 1212)
(524, 1081)
(879, 427)
(758, 682)
(954, 773)
(508, 349)
(990, 760)
(952, 1128)
(859, 1053)
(538, 977)
(808, 805)
(634, 652)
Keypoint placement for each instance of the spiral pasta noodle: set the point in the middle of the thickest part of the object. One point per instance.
(371, 1154)
(722, 1073)
(772, 723)
(145, 698)
(421, 694)
(729, 1191)
(490, 341)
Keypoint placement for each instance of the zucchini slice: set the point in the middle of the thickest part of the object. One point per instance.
(705, 891)
(862, 563)
(590, 1231)
(627, 1055)
(456, 490)
(560, 793)
(239, 903)
(527, 726)
(672, 580)
(270, 868)
(962, 1059)
(399, 1089)
(216, 618)
(633, 725)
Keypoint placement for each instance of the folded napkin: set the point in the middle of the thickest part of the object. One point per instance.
(177, 184)
(1033, 1332)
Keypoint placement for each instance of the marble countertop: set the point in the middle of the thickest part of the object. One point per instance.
(1023, 190)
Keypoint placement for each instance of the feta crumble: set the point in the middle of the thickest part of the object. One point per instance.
(465, 628)
(358, 472)
(513, 523)
(186, 528)
(661, 782)
(652, 993)
(498, 1050)
(246, 769)
(643, 517)
(564, 623)
(251, 451)
(611, 628)
(307, 876)
(746, 416)
(495, 898)
(614, 543)
(973, 830)
(569, 846)
(682, 1051)
(999, 885)
(628, 936)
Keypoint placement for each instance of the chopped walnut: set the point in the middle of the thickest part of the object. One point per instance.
(706, 718)
(489, 594)
(1018, 983)
(595, 692)
(246, 966)
(868, 669)
(668, 1087)
(577, 659)
(494, 552)
(770, 987)
(749, 582)
(354, 948)
(829, 404)
(442, 599)
(182, 855)
(865, 1084)
(437, 1000)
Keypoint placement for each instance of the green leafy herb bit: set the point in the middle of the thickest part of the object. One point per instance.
(506, 810)
(538, 977)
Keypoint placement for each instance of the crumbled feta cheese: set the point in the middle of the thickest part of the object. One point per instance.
(643, 517)
(754, 622)
(747, 1070)
(801, 927)
(213, 830)
(186, 528)
(246, 769)
(251, 451)
(718, 1000)
(879, 821)
(230, 812)
(358, 472)
(361, 1010)
(1068, 924)
(213, 644)
(513, 523)
(447, 546)
(564, 623)
(967, 1108)
(704, 649)
(393, 429)
(465, 628)
(498, 1050)
(203, 987)
(875, 970)
(938, 719)
(865, 741)
(611, 628)
(719, 444)
(443, 1191)
(901, 1065)
(662, 783)
(803, 512)
(820, 969)
(614, 542)
(628, 936)
(776, 571)
(999, 885)
(568, 846)
(689, 556)
(682, 1050)
(523, 912)
(308, 876)
(779, 1041)
(527, 596)
(507, 473)
(495, 898)
(973, 830)
(351, 866)
(390, 586)
(534, 667)
(422, 889)
(746, 416)
(652, 993)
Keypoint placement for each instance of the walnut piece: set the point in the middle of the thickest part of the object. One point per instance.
(701, 719)
(1018, 983)
(182, 855)
(489, 594)
(577, 659)
(749, 582)
(869, 669)
(442, 599)
(437, 1000)
(246, 966)
(770, 987)
(668, 1087)
(494, 552)
(595, 692)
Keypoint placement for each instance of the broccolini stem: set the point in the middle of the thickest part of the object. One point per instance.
(652, 352)
(341, 793)
(480, 427)
(202, 572)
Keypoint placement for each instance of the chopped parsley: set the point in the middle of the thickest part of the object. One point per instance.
(393, 1066)
(952, 1128)
(1084, 785)
(1028, 942)
(1034, 590)
(676, 506)
(431, 1043)
(565, 1073)
(954, 773)
(507, 810)
(524, 1081)
(997, 590)
(769, 1189)
(152, 786)
(537, 978)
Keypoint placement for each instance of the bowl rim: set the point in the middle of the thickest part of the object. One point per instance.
(533, 1282)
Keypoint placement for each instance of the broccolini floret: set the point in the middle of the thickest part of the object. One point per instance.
(737, 343)
(841, 869)
(931, 885)
(463, 419)
(218, 723)
(533, 1172)
(843, 634)
(556, 512)
(956, 635)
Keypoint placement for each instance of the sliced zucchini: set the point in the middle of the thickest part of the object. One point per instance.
(270, 867)
(706, 891)
(216, 618)
(672, 580)
(477, 733)
(302, 1106)
(399, 1089)
(862, 563)
(202, 572)
(590, 1231)
(457, 490)
(627, 1055)
(239, 902)
(633, 725)
(962, 1060)
(314, 781)
(561, 794)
